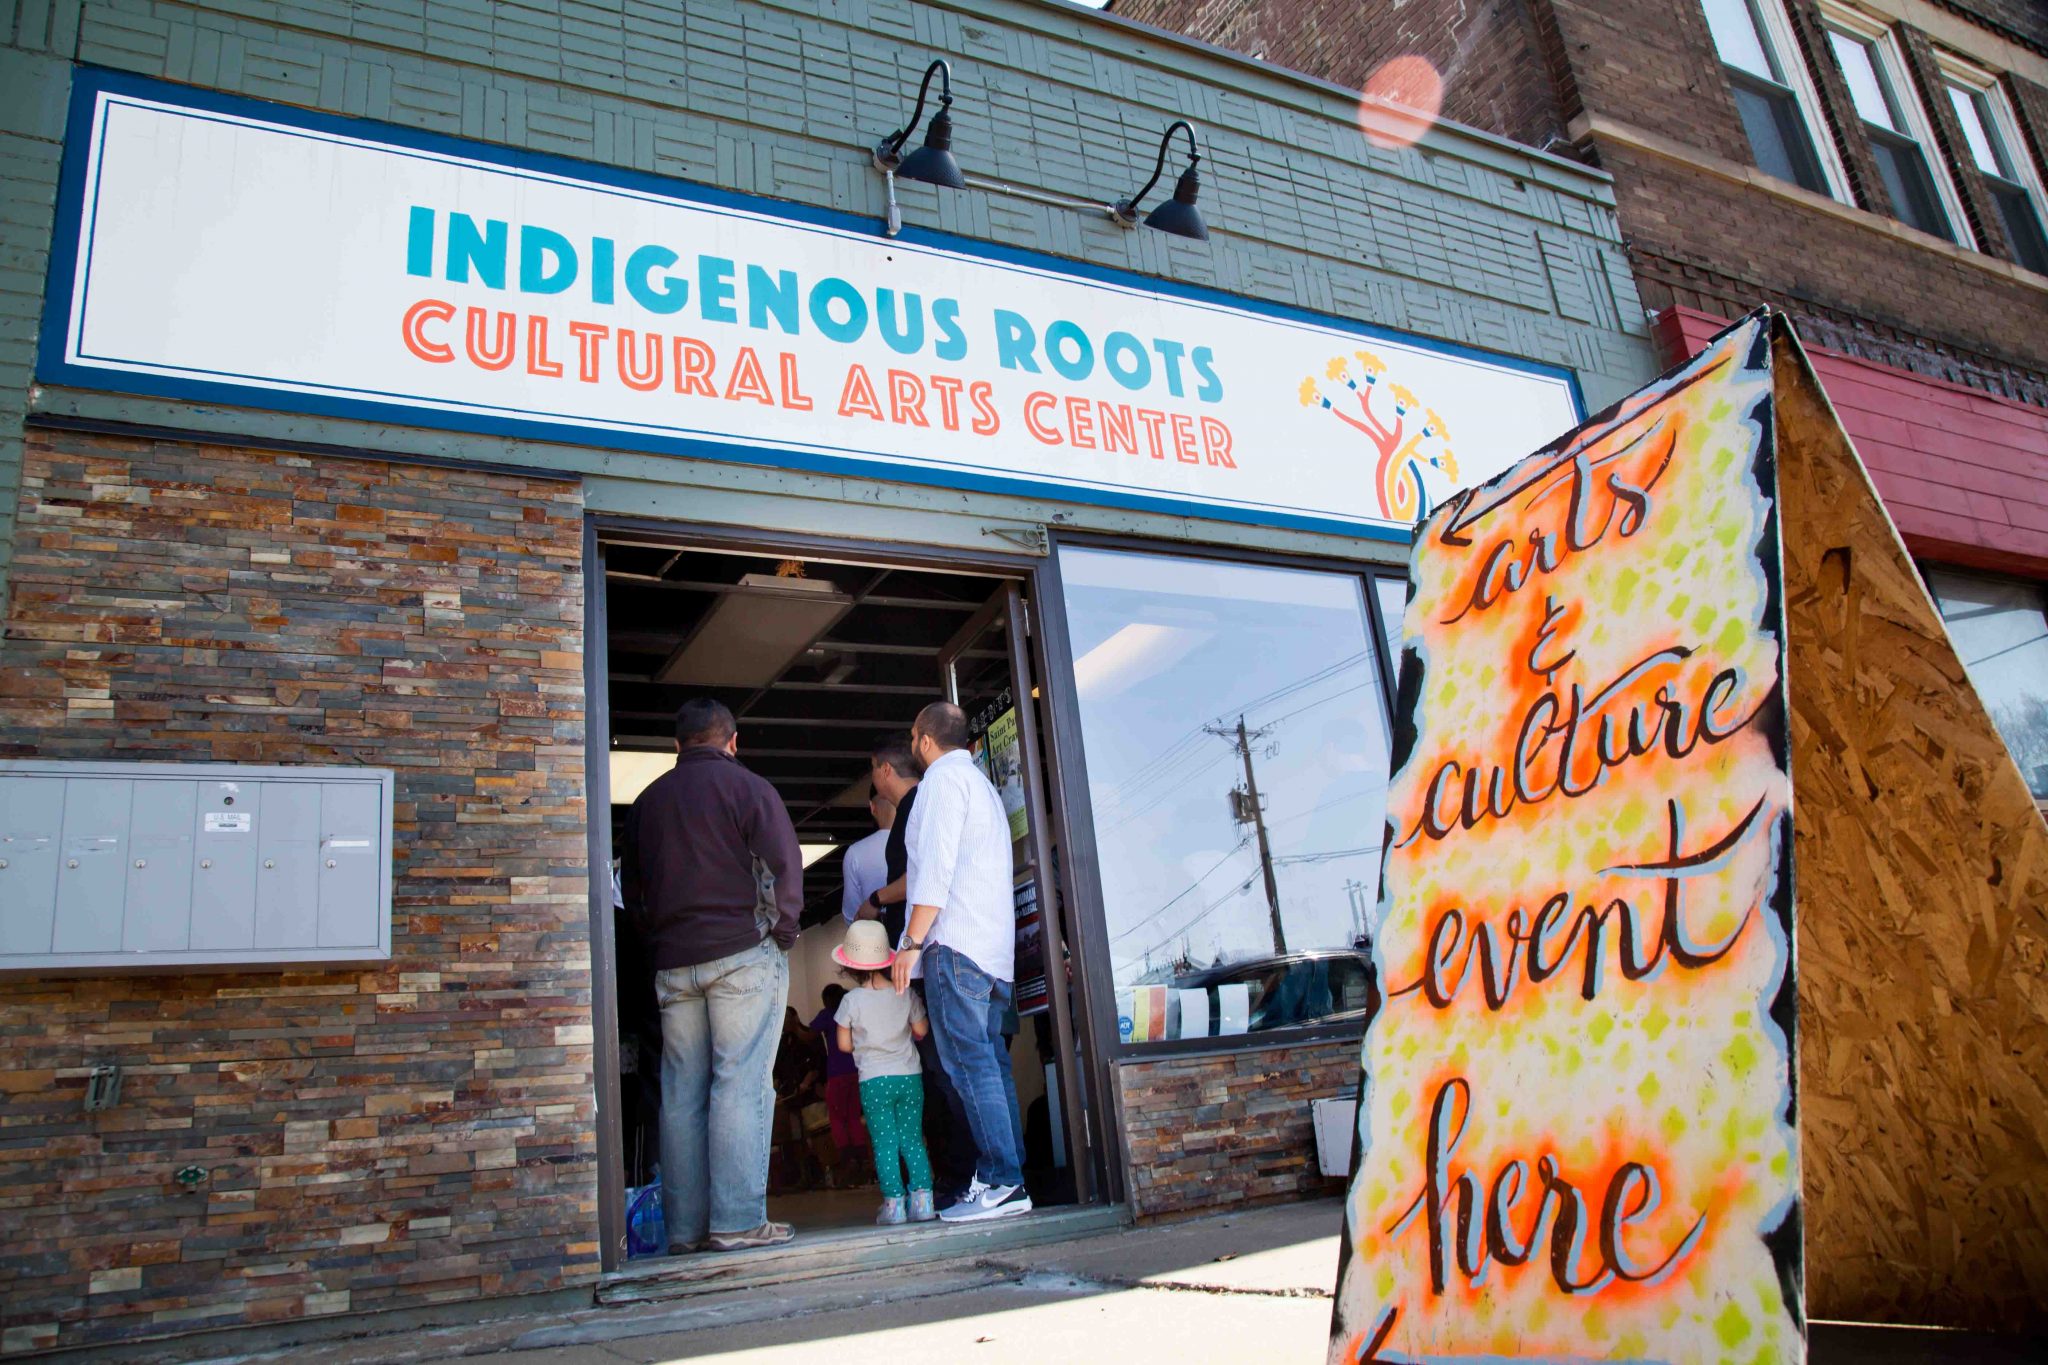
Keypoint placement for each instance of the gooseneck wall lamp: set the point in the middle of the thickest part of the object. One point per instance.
(933, 164)
(1177, 215)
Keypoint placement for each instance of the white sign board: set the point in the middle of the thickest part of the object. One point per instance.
(228, 251)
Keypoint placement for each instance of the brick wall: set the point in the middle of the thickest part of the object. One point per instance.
(1696, 238)
(414, 1133)
(1487, 52)
(1205, 1132)
(1958, 322)
(2023, 21)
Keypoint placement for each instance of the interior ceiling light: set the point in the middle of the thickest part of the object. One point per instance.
(633, 769)
(1177, 215)
(853, 796)
(752, 633)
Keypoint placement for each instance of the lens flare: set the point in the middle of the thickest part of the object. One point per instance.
(1401, 101)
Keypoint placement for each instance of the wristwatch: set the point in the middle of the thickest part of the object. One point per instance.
(911, 945)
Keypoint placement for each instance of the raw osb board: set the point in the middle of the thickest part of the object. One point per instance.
(1923, 925)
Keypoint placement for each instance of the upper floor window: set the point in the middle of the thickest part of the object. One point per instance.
(1896, 127)
(2000, 628)
(1993, 138)
(1772, 93)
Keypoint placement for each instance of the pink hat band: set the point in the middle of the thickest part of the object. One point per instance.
(866, 948)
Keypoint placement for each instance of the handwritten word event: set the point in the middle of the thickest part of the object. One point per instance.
(548, 263)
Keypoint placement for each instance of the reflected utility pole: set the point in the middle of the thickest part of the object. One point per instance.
(1250, 810)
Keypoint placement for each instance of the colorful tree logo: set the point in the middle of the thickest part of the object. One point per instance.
(1416, 437)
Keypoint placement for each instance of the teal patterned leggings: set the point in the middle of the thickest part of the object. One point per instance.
(895, 1109)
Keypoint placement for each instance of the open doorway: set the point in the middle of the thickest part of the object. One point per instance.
(818, 658)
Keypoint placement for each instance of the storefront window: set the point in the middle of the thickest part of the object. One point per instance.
(1236, 748)
(2000, 628)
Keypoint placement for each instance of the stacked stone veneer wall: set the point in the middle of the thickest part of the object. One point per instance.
(407, 1133)
(1207, 1132)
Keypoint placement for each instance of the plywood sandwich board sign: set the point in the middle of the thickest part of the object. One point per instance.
(1579, 1125)
(1577, 1136)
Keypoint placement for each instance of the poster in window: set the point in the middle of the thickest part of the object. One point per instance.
(1030, 968)
(1002, 753)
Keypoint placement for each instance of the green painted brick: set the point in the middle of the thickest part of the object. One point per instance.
(783, 94)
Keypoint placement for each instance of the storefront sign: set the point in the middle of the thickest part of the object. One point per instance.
(229, 251)
(1575, 1134)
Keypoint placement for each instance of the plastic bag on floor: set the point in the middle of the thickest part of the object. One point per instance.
(646, 1226)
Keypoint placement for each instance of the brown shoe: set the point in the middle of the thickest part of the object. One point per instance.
(767, 1235)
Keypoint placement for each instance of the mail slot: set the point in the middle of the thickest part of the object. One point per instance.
(173, 865)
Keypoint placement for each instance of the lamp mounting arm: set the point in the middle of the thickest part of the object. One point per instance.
(889, 150)
(1125, 211)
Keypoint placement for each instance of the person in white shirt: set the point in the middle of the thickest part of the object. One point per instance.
(864, 868)
(963, 929)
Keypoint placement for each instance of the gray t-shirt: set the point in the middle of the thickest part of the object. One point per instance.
(880, 1021)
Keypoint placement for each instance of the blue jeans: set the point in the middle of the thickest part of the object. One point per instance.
(967, 1007)
(721, 1022)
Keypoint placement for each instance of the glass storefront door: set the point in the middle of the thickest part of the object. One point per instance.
(1234, 728)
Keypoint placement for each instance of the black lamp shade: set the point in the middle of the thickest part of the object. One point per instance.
(1179, 215)
(933, 163)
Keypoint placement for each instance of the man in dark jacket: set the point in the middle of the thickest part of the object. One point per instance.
(698, 841)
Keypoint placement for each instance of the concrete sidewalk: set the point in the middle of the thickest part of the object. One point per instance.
(1250, 1286)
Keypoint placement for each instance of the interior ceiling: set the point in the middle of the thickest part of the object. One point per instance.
(809, 730)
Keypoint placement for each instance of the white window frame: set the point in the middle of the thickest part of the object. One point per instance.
(2005, 124)
(1892, 69)
(1784, 50)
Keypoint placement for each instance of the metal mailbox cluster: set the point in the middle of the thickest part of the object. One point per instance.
(192, 864)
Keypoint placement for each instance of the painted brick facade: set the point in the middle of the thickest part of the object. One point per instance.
(1467, 240)
(1234, 1128)
(413, 1133)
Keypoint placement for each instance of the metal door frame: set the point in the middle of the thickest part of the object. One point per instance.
(1094, 1142)
(1007, 605)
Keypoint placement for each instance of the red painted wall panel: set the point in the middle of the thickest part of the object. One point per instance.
(1964, 474)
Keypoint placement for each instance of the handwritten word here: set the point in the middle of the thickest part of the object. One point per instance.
(1574, 1129)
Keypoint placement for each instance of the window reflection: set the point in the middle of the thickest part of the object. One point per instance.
(1984, 115)
(2001, 631)
(1892, 131)
(1199, 682)
(1393, 595)
(1770, 108)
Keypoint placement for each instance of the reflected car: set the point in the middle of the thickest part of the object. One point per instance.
(1288, 990)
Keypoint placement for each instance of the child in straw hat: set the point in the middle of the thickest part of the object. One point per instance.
(881, 1028)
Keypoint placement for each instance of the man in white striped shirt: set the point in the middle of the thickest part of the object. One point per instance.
(963, 927)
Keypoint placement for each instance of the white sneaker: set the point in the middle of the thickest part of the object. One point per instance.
(970, 1196)
(1003, 1201)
